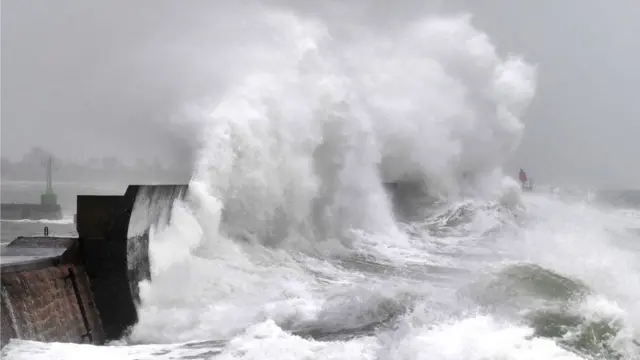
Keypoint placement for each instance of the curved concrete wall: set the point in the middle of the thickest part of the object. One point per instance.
(116, 257)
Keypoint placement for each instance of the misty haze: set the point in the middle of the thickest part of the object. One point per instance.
(80, 87)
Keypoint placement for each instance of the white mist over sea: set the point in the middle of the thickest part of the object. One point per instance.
(293, 245)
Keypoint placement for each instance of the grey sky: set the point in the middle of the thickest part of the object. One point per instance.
(93, 78)
(584, 124)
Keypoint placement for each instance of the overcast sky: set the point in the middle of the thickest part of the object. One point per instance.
(93, 78)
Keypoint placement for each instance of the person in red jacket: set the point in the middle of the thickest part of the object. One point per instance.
(523, 177)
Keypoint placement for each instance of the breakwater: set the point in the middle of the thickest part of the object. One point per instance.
(84, 289)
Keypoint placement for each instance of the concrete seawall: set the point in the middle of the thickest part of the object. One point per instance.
(84, 290)
(46, 294)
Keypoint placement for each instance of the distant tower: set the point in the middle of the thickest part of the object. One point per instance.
(49, 197)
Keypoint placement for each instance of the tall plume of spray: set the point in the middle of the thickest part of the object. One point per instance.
(294, 154)
(302, 142)
(313, 131)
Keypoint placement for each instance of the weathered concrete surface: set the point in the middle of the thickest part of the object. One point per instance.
(105, 257)
(38, 252)
(46, 294)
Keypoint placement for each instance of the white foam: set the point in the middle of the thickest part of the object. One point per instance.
(479, 337)
(599, 309)
(583, 242)
(34, 350)
(66, 220)
(268, 341)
